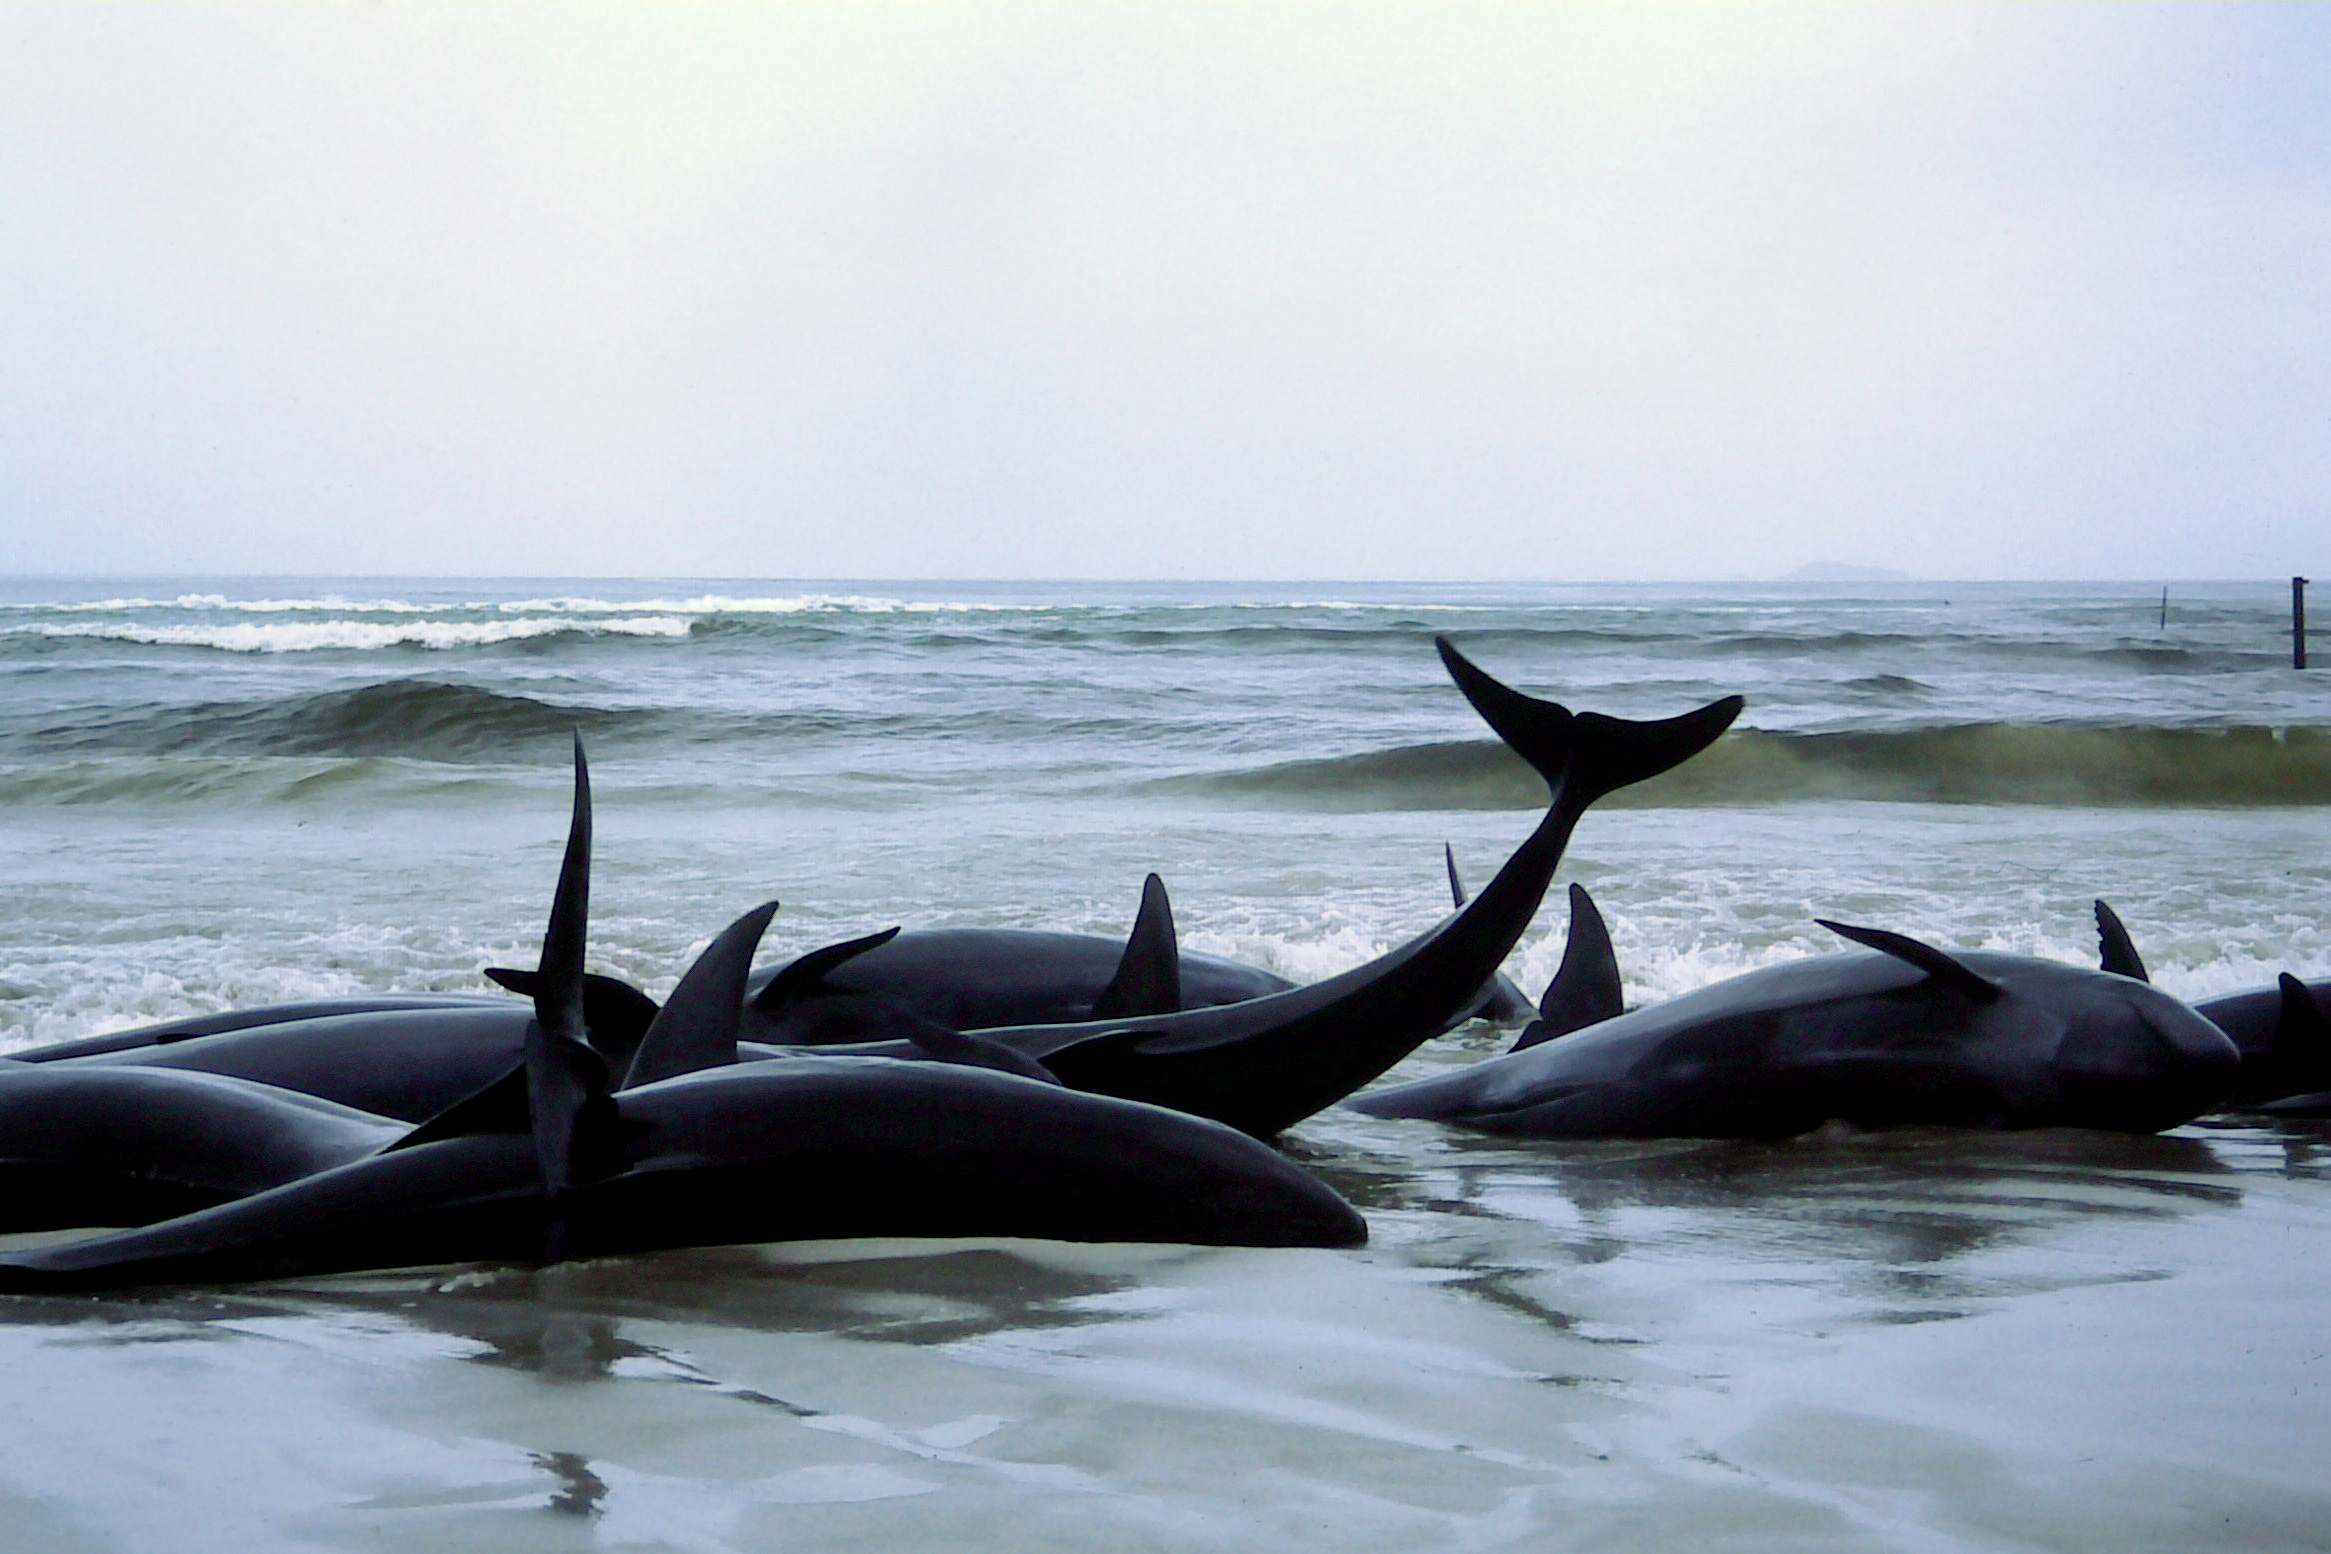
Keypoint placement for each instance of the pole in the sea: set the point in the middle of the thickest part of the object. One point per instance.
(2164, 609)
(2298, 623)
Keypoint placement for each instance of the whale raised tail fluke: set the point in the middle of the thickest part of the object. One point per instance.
(1585, 755)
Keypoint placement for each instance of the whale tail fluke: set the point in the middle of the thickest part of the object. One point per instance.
(2116, 951)
(615, 1014)
(566, 1079)
(1585, 991)
(1585, 755)
(697, 1027)
(1149, 974)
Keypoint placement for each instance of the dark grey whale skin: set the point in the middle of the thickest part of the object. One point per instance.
(791, 1149)
(2283, 1070)
(84, 1145)
(975, 978)
(1858, 1037)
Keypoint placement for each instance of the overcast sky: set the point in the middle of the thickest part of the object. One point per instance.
(1207, 292)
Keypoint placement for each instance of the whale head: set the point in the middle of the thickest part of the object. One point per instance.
(2131, 1058)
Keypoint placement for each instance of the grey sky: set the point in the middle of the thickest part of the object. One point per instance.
(1128, 292)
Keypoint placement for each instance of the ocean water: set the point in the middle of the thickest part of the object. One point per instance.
(216, 793)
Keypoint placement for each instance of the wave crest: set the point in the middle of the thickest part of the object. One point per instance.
(1976, 763)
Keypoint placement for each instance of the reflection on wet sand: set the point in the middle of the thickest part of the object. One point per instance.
(1889, 1220)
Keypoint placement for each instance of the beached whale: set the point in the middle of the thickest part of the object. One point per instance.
(2284, 1036)
(1910, 1034)
(568, 1156)
(1268, 1063)
(2282, 1032)
(83, 1145)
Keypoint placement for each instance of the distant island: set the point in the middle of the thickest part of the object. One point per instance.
(1839, 572)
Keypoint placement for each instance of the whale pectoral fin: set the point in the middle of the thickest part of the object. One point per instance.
(796, 980)
(1149, 974)
(1456, 885)
(501, 1107)
(697, 1027)
(615, 1014)
(1941, 965)
(1585, 991)
(948, 1045)
(2116, 951)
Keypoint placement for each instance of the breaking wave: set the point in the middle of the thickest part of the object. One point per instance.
(1976, 763)
(354, 635)
(413, 719)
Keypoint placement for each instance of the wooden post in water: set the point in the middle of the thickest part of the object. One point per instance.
(2298, 623)
(2164, 609)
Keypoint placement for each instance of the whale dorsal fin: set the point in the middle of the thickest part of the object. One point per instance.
(2301, 1021)
(948, 1045)
(811, 969)
(615, 1013)
(1149, 974)
(2115, 948)
(1585, 991)
(1456, 885)
(1941, 965)
(697, 1027)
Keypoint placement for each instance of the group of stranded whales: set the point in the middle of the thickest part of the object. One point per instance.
(1057, 1086)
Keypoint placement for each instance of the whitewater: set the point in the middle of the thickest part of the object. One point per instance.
(222, 792)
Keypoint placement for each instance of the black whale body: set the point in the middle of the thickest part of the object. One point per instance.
(976, 978)
(810, 1148)
(86, 1145)
(571, 1154)
(2285, 1046)
(1875, 1040)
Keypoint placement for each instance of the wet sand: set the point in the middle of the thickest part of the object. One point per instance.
(1903, 1341)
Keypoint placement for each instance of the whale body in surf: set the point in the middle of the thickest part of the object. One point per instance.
(1267, 1063)
(1909, 1034)
(2283, 1033)
(569, 1155)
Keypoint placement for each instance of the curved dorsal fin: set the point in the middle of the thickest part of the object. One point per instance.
(1941, 965)
(2114, 947)
(2301, 1020)
(697, 1027)
(1585, 991)
(1149, 974)
(797, 979)
(1456, 885)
